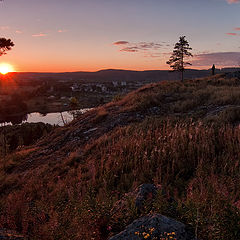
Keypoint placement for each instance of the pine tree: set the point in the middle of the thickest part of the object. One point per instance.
(5, 45)
(181, 51)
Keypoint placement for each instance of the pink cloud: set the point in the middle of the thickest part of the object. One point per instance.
(129, 49)
(18, 32)
(237, 28)
(137, 47)
(121, 43)
(62, 30)
(232, 34)
(39, 35)
(147, 49)
(233, 1)
(3, 28)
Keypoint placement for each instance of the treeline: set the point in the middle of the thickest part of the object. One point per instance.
(12, 137)
(14, 104)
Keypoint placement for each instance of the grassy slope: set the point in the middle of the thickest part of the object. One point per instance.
(184, 137)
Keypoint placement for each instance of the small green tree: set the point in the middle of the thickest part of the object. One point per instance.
(74, 102)
(181, 51)
(5, 45)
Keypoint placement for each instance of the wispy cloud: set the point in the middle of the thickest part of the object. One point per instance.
(149, 49)
(237, 28)
(39, 35)
(18, 32)
(121, 43)
(232, 34)
(233, 1)
(130, 49)
(62, 30)
(217, 58)
(3, 28)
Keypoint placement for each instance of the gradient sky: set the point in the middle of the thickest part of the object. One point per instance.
(89, 35)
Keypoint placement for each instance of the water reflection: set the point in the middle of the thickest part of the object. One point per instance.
(50, 118)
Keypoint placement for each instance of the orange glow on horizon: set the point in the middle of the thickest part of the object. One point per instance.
(57, 68)
(6, 68)
(54, 68)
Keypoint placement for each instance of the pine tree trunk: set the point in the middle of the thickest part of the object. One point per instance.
(182, 63)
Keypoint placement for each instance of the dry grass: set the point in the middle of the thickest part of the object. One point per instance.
(196, 163)
(189, 97)
(101, 115)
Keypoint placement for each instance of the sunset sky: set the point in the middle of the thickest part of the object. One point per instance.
(89, 35)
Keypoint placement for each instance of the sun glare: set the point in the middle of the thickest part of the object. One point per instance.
(6, 68)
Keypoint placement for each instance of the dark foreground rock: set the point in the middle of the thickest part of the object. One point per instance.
(155, 227)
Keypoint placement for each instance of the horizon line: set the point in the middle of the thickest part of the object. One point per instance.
(119, 69)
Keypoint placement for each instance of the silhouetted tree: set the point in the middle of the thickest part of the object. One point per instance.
(181, 51)
(5, 45)
(213, 69)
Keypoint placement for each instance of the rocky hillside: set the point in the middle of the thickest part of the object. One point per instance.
(78, 181)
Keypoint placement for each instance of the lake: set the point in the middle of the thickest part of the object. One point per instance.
(50, 118)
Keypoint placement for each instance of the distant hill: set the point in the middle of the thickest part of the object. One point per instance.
(121, 75)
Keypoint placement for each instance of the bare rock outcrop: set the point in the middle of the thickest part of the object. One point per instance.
(155, 226)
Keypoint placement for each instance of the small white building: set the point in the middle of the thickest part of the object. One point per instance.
(115, 84)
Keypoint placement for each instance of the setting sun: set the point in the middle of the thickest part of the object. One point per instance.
(6, 68)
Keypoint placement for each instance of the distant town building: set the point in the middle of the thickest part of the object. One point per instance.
(115, 84)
